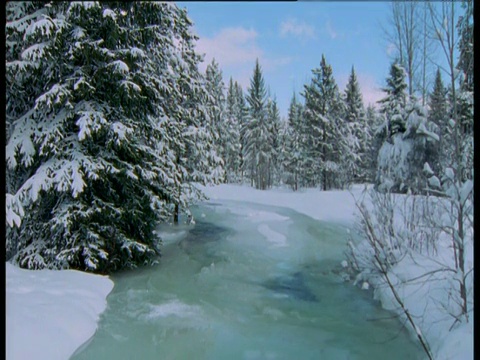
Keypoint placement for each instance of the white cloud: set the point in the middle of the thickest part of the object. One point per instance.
(330, 30)
(231, 46)
(236, 49)
(297, 28)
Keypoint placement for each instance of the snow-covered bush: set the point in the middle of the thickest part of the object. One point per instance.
(403, 155)
(417, 252)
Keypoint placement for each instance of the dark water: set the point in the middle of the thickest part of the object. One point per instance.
(246, 282)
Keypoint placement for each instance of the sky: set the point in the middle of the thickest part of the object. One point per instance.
(289, 39)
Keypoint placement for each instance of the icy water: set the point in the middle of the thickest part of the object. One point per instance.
(246, 282)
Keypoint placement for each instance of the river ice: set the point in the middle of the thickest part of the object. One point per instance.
(247, 282)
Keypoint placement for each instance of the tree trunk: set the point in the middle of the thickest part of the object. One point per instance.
(175, 214)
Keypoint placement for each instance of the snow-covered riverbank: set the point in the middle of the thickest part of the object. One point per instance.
(51, 313)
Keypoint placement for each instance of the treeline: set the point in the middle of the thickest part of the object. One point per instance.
(325, 142)
(330, 140)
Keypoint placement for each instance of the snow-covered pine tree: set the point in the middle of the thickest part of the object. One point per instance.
(193, 145)
(93, 93)
(373, 147)
(357, 166)
(242, 116)
(217, 107)
(438, 114)
(293, 154)
(323, 111)
(257, 135)
(410, 140)
(438, 102)
(275, 170)
(344, 157)
(283, 140)
(233, 142)
(393, 105)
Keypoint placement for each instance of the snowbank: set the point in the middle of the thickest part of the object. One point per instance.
(334, 205)
(49, 314)
(425, 302)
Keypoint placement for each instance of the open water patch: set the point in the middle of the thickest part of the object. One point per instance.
(222, 291)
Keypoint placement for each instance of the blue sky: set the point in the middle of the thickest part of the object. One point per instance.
(289, 39)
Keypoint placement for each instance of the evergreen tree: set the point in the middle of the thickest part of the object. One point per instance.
(194, 147)
(394, 104)
(376, 139)
(438, 114)
(233, 141)
(294, 159)
(410, 139)
(323, 111)
(257, 151)
(103, 105)
(438, 102)
(216, 106)
(242, 116)
(274, 125)
(360, 135)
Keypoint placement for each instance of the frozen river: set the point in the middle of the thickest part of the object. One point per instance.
(246, 282)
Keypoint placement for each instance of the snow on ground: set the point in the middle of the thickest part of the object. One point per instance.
(49, 314)
(335, 205)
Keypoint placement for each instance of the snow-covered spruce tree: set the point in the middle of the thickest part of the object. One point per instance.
(392, 111)
(233, 147)
(324, 130)
(359, 129)
(411, 140)
(402, 157)
(293, 154)
(393, 105)
(241, 112)
(217, 107)
(93, 108)
(283, 143)
(275, 170)
(257, 135)
(373, 121)
(438, 114)
(192, 140)
(344, 156)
